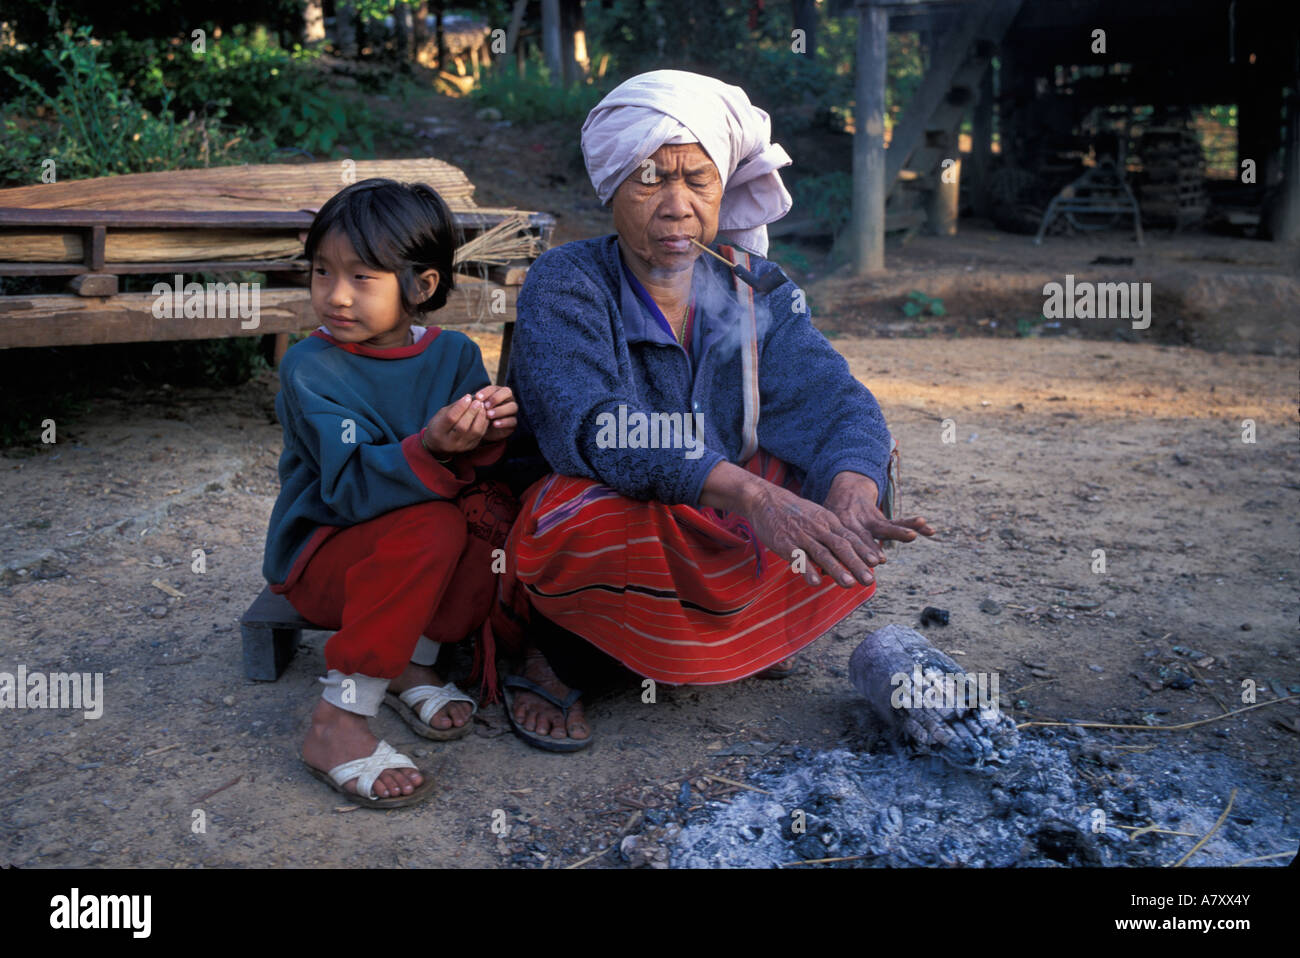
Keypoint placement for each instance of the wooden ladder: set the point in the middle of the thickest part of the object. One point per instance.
(928, 132)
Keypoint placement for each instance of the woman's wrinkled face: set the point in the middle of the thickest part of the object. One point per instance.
(665, 203)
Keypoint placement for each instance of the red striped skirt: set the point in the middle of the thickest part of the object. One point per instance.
(677, 594)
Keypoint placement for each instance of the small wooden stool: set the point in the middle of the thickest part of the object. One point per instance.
(271, 629)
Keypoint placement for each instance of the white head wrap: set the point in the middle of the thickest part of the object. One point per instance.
(673, 106)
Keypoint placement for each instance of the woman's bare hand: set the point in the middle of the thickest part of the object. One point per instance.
(792, 527)
(853, 500)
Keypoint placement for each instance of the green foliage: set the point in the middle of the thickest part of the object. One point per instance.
(1026, 327)
(248, 76)
(99, 127)
(918, 303)
(828, 197)
(668, 34)
(532, 98)
(797, 89)
(906, 69)
(788, 257)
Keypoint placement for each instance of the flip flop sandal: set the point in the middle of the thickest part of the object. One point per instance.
(775, 673)
(366, 771)
(536, 739)
(418, 705)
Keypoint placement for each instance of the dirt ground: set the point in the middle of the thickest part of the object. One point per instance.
(1094, 438)
(1062, 447)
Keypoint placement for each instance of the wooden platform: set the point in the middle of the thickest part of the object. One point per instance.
(271, 630)
(221, 223)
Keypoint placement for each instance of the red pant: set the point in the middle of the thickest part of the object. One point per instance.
(424, 569)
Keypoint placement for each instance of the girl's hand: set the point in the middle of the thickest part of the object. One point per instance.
(502, 411)
(458, 427)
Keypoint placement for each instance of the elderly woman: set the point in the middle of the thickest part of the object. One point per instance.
(718, 475)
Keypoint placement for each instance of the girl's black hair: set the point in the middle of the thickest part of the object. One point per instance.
(402, 228)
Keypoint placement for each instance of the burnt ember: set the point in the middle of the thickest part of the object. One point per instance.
(1065, 799)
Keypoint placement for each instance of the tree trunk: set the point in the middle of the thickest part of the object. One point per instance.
(574, 42)
(868, 223)
(404, 31)
(552, 44)
(421, 25)
(981, 149)
(345, 29)
(516, 24)
(440, 36)
(1287, 223)
(313, 21)
(805, 19)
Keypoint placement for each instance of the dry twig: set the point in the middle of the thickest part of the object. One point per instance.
(1161, 728)
(1206, 837)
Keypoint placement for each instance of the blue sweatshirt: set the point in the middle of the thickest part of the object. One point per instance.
(584, 344)
(352, 417)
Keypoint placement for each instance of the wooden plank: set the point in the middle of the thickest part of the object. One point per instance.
(941, 213)
(144, 236)
(149, 246)
(250, 187)
(94, 284)
(128, 269)
(98, 245)
(269, 609)
(479, 218)
(159, 219)
(62, 320)
(512, 274)
(503, 364)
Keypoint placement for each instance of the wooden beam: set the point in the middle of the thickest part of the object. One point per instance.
(942, 208)
(478, 218)
(1287, 219)
(94, 284)
(910, 131)
(255, 187)
(516, 21)
(927, 132)
(868, 229)
(51, 242)
(173, 266)
(981, 150)
(552, 47)
(95, 252)
(60, 320)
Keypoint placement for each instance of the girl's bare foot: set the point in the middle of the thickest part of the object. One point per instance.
(536, 714)
(337, 736)
(451, 715)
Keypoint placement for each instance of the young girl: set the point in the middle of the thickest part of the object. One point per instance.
(381, 530)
